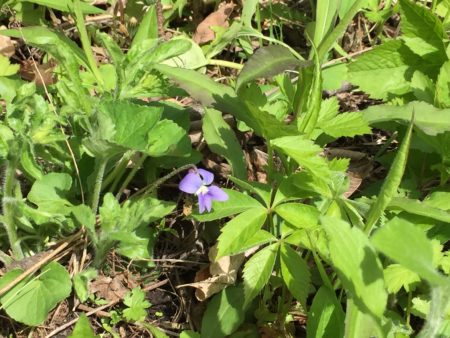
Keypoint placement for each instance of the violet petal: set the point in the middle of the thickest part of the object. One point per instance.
(190, 183)
(201, 203)
(207, 176)
(217, 194)
(207, 201)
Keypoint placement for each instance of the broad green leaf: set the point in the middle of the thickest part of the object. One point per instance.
(326, 13)
(267, 62)
(223, 98)
(167, 138)
(189, 334)
(28, 162)
(391, 183)
(299, 215)
(6, 68)
(221, 139)
(66, 6)
(295, 273)
(237, 202)
(357, 266)
(408, 245)
(83, 329)
(422, 31)
(138, 244)
(261, 237)
(325, 318)
(442, 86)
(224, 313)
(359, 323)
(345, 124)
(383, 71)
(258, 270)
(260, 189)
(305, 153)
(419, 208)
(423, 87)
(397, 276)
(240, 230)
(137, 305)
(192, 56)
(248, 10)
(148, 28)
(31, 300)
(429, 119)
(439, 200)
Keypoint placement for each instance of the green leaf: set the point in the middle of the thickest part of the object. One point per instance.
(422, 31)
(383, 71)
(167, 138)
(397, 276)
(326, 13)
(137, 305)
(31, 300)
(66, 6)
(221, 139)
(260, 189)
(148, 28)
(345, 124)
(258, 270)
(83, 328)
(248, 11)
(423, 87)
(442, 86)
(391, 183)
(295, 273)
(81, 283)
(189, 334)
(267, 62)
(224, 313)
(437, 323)
(325, 318)
(191, 57)
(396, 240)
(305, 153)
(237, 202)
(359, 323)
(357, 266)
(300, 215)
(240, 230)
(6, 68)
(429, 119)
(419, 208)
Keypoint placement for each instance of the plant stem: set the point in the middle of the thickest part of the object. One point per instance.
(130, 176)
(9, 202)
(118, 172)
(223, 63)
(100, 171)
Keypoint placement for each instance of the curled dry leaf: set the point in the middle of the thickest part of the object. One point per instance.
(204, 33)
(6, 46)
(111, 289)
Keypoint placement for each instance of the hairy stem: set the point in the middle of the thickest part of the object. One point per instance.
(100, 171)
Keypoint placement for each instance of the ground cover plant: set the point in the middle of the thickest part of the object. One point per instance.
(225, 168)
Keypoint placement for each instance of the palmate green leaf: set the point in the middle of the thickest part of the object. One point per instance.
(442, 96)
(422, 31)
(408, 245)
(258, 270)
(391, 183)
(137, 305)
(383, 71)
(267, 62)
(224, 313)
(221, 139)
(357, 265)
(237, 232)
(299, 215)
(345, 124)
(31, 300)
(419, 208)
(66, 6)
(326, 317)
(397, 276)
(237, 202)
(223, 98)
(305, 153)
(295, 273)
(83, 329)
(429, 119)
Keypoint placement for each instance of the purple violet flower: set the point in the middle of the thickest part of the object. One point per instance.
(198, 182)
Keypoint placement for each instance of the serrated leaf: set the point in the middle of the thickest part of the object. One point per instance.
(258, 188)
(299, 215)
(137, 305)
(383, 71)
(237, 232)
(305, 153)
(224, 313)
(345, 124)
(295, 273)
(83, 328)
(6, 68)
(396, 238)
(419, 208)
(221, 139)
(442, 86)
(31, 300)
(397, 276)
(422, 31)
(258, 270)
(429, 119)
(268, 61)
(391, 183)
(357, 265)
(237, 202)
(325, 318)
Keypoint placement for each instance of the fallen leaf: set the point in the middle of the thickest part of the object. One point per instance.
(6, 46)
(42, 76)
(108, 288)
(204, 33)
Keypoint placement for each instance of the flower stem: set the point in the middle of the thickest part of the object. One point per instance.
(9, 207)
(100, 171)
(130, 176)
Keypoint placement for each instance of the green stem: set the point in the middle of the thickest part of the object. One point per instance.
(408, 308)
(130, 176)
(100, 172)
(9, 207)
(223, 63)
(115, 176)
(270, 166)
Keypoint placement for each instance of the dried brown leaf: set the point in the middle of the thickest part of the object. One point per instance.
(204, 33)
